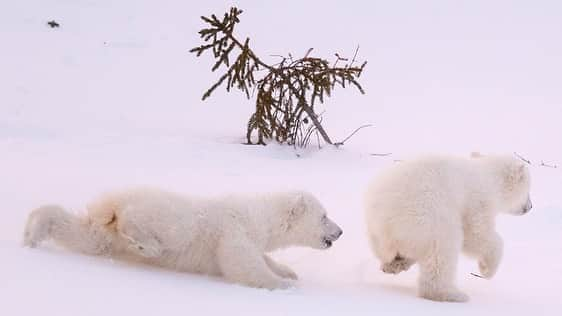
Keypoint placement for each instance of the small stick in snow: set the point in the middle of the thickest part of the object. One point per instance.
(381, 155)
(543, 164)
(337, 144)
(522, 158)
(476, 275)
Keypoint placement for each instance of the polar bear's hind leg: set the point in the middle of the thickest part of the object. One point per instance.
(399, 264)
(67, 230)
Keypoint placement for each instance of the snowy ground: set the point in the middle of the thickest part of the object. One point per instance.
(112, 99)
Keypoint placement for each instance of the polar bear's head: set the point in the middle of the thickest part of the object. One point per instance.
(515, 184)
(306, 223)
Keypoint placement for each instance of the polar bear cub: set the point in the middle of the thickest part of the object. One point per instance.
(226, 236)
(428, 210)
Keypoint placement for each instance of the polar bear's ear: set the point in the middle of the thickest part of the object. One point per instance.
(297, 208)
(294, 213)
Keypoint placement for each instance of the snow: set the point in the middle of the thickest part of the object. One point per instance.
(112, 99)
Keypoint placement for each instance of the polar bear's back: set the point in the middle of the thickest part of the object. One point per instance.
(415, 183)
(145, 200)
(175, 219)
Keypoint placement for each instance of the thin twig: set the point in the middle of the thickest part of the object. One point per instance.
(348, 137)
(308, 52)
(522, 158)
(476, 275)
(543, 164)
(354, 56)
(276, 55)
(338, 58)
(381, 155)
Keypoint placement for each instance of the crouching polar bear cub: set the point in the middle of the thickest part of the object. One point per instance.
(227, 236)
(428, 210)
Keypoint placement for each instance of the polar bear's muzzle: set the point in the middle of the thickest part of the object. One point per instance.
(330, 238)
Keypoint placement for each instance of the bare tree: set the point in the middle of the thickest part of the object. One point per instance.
(286, 94)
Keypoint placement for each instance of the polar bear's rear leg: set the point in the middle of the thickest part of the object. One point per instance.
(387, 252)
(397, 265)
(437, 276)
(40, 224)
(132, 224)
(382, 248)
(67, 230)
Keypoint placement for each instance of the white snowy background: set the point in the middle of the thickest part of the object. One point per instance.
(112, 98)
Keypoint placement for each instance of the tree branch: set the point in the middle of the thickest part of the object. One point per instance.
(522, 158)
(348, 137)
(543, 164)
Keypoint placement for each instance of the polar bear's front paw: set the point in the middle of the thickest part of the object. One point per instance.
(280, 269)
(278, 284)
(487, 269)
(286, 272)
(286, 284)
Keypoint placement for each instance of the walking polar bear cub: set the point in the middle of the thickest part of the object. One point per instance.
(227, 236)
(428, 210)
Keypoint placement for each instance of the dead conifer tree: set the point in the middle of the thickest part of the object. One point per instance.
(288, 92)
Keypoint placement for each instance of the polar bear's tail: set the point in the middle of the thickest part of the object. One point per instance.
(104, 210)
(65, 229)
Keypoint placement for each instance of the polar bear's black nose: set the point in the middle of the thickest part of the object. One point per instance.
(339, 233)
(528, 206)
(334, 236)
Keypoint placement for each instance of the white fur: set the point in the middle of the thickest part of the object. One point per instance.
(428, 210)
(227, 236)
